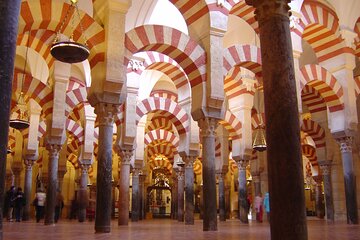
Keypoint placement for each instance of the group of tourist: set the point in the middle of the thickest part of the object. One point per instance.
(260, 205)
(15, 202)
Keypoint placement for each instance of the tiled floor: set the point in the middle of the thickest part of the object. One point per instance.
(166, 229)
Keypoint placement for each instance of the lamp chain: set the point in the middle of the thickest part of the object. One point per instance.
(25, 64)
(63, 23)
(81, 26)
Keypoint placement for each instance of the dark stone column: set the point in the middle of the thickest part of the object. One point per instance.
(180, 195)
(175, 198)
(142, 197)
(319, 200)
(105, 113)
(9, 17)
(27, 188)
(349, 179)
(189, 190)
(135, 199)
(83, 197)
(243, 203)
(124, 182)
(208, 127)
(325, 167)
(52, 185)
(288, 218)
(222, 206)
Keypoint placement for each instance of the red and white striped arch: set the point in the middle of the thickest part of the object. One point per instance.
(232, 125)
(35, 89)
(245, 12)
(161, 134)
(310, 152)
(217, 148)
(319, 26)
(179, 118)
(167, 150)
(72, 147)
(315, 131)
(74, 97)
(43, 14)
(177, 45)
(325, 83)
(42, 129)
(233, 84)
(76, 130)
(232, 166)
(357, 39)
(246, 56)
(357, 85)
(313, 99)
(164, 94)
(160, 163)
(161, 122)
(74, 160)
(257, 119)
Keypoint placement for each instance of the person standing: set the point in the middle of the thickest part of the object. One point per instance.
(9, 202)
(267, 206)
(258, 208)
(58, 205)
(39, 203)
(19, 203)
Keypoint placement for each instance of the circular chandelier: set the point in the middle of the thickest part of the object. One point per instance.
(69, 51)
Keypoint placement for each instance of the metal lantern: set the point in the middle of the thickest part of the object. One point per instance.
(259, 141)
(69, 51)
(22, 120)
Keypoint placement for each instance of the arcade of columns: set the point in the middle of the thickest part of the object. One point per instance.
(165, 97)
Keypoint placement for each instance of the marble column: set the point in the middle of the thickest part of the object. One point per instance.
(180, 195)
(83, 197)
(141, 196)
(189, 190)
(349, 179)
(222, 206)
(175, 197)
(124, 183)
(52, 185)
(105, 114)
(282, 121)
(242, 199)
(257, 183)
(319, 200)
(135, 199)
(208, 127)
(9, 17)
(27, 188)
(325, 167)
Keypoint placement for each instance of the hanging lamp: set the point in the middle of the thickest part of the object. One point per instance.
(259, 143)
(69, 51)
(22, 120)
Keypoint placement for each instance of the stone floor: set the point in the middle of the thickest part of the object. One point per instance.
(164, 229)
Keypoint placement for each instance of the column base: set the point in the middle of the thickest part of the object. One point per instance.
(102, 229)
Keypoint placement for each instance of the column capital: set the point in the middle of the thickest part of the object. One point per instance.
(29, 163)
(126, 155)
(345, 143)
(242, 164)
(325, 167)
(85, 168)
(189, 160)
(106, 112)
(220, 174)
(180, 174)
(269, 8)
(53, 148)
(208, 126)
